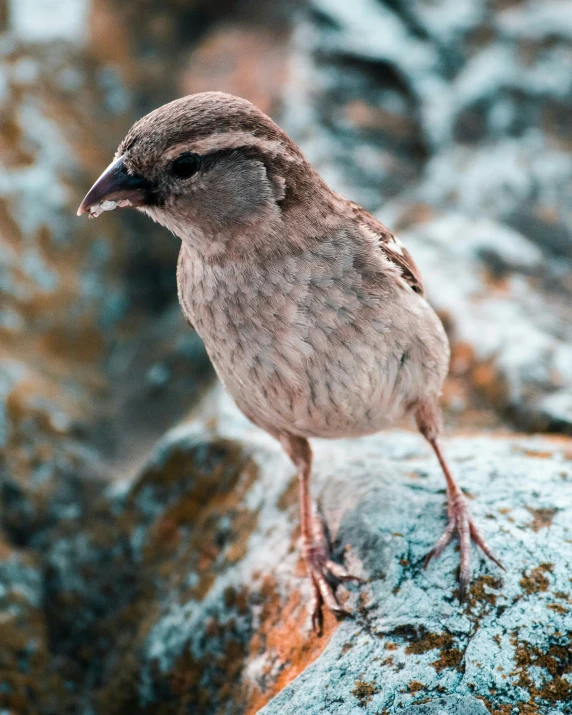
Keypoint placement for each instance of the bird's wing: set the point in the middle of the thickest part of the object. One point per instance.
(391, 246)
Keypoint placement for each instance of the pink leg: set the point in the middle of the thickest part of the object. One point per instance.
(315, 548)
(460, 519)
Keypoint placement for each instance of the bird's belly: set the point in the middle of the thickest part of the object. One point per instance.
(315, 355)
(347, 392)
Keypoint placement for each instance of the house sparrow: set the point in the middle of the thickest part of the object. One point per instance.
(311, 311)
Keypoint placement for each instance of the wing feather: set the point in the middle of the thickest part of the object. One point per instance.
(391, 246)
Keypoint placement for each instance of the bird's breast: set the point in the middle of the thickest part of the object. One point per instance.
(303, 346)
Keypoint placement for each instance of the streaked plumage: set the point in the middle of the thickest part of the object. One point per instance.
(312, 312)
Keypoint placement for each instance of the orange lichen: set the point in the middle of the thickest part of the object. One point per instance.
(556, 661)
(366, 116)
(289, 496)
(284, 641)
(536, 581)
(200, 509)
(483, 591)
(420, 641)
(557, 607)
(535, 453)
(364, 691)
(486, 379)
(462, 358)
(258, 75)
(465, 386)
(541, 518)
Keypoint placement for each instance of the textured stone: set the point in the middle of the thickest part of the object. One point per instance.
(61, 293)
(448, 706)
(484, 280)
(182, 590)
(27, 673)
(186, 589)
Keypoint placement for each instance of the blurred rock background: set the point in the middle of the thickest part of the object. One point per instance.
(450, 121)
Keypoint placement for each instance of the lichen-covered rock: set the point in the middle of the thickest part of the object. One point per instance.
(185, 591)
(488, 86)
(517, 339)
(27, 672)
(58, 285)
(410, 639)
(451, 705)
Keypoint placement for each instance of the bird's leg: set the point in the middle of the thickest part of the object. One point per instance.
(461, 522)
(315, 547)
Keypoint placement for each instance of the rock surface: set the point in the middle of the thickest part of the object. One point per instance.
(185, 592)
(486, 283)
(167, 579)
(448, 706)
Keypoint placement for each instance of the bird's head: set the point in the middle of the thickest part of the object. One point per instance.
(208, 166)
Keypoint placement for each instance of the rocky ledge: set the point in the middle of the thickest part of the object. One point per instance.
(181, 590)
(184, 591)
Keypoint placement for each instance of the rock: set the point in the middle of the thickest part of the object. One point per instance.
(181, 589)
(489, 94)
(221, 63)
(449, 706)
(186, 589)
(75, 293)
(27, 674)
(60, 281)
(483, 280)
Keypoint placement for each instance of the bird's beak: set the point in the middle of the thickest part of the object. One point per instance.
(115, 188)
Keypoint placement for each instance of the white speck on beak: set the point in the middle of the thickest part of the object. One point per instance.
(98, 209)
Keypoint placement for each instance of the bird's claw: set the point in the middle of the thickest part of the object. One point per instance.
(322, 570)
(462, 523)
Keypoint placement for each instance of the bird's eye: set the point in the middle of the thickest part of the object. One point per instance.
(185, 165)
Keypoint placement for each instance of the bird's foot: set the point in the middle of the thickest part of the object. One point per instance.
(462, 523)
(322, 570)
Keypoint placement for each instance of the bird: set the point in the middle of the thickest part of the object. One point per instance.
(312, 312)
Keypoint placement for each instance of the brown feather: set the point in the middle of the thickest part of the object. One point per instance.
(391, 246)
